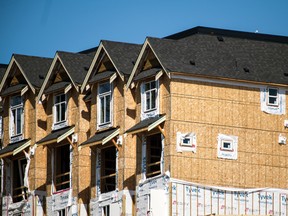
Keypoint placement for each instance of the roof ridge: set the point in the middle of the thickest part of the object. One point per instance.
(228, 33)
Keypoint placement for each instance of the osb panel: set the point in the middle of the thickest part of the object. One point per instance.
(210, 109)
(129, 179)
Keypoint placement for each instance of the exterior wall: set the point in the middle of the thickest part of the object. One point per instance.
(78, 115)
(126, 158)
(208, 109)
(37, 169)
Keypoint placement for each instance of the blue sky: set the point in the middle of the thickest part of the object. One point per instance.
(41, 27)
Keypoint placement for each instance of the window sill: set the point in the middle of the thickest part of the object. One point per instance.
(16, 138)
(59, 125)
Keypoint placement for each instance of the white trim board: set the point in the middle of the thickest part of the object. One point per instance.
(226, 82)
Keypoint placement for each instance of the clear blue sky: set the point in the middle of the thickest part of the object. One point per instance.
(41, 27)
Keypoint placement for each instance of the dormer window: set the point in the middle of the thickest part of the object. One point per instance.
(272, 96)
(104, 104)
(59, 112)
(149, 99)
(16, 118)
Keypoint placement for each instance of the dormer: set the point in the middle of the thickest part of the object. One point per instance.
(145, 77)
(66, 74)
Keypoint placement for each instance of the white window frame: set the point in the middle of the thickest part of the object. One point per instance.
(230, 152)
(14, 136)
(104, 95)
(272, 97)
(150, 111)
(61, 123)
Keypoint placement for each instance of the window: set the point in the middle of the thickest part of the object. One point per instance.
(149, 99)
(19, 191)
(60, 107)
(272, 96)
(62, 167)
(106, 210)
(16, 118)
(108, 169)
(104, 104)
(61, 212)
(226, 145)
(153, 155)
(150, 93)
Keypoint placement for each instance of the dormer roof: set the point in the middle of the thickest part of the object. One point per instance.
(32, 70)
(68, 68)
(121, 57)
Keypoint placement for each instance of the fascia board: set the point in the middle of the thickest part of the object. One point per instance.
(156, 123)
(119, 73)
(157, 58)
(22, 147)
(63, 136)
(89, 145)
(111, 136)
(47, 76)
(68, 73)
(139, 58)
(27, 80)
(6, 154)
(87, 77)
(7, 73)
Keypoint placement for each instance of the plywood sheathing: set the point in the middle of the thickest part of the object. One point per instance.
(209, 109)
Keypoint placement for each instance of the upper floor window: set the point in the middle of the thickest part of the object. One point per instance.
(104, 104)
(273, 100)
(149, 99)
(60, 108)
(272, 96)
(16, 118)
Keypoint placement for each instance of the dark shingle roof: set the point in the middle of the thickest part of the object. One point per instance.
(76, 64)
(144, 124)
(229, 33)
(35, 68)
(55, 134)
(3, 68)
(147, 73)
(124, 55)
(206, 55)
(13, 89)
(56, 87)
(12, 146)
(101, 76)
(98, 137)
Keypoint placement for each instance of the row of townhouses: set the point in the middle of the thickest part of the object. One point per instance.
(191, 124)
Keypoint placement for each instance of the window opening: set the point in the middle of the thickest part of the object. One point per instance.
(19, 190)
(60, 107)
(273, 96)
(227, 145)
(61, 212)
(106, 210)
(62, 167)
(16, 122)
(104, 103)
(153, 155)
(108, 169)
(150, 92)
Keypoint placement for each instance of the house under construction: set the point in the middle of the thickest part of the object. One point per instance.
(194, 123)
